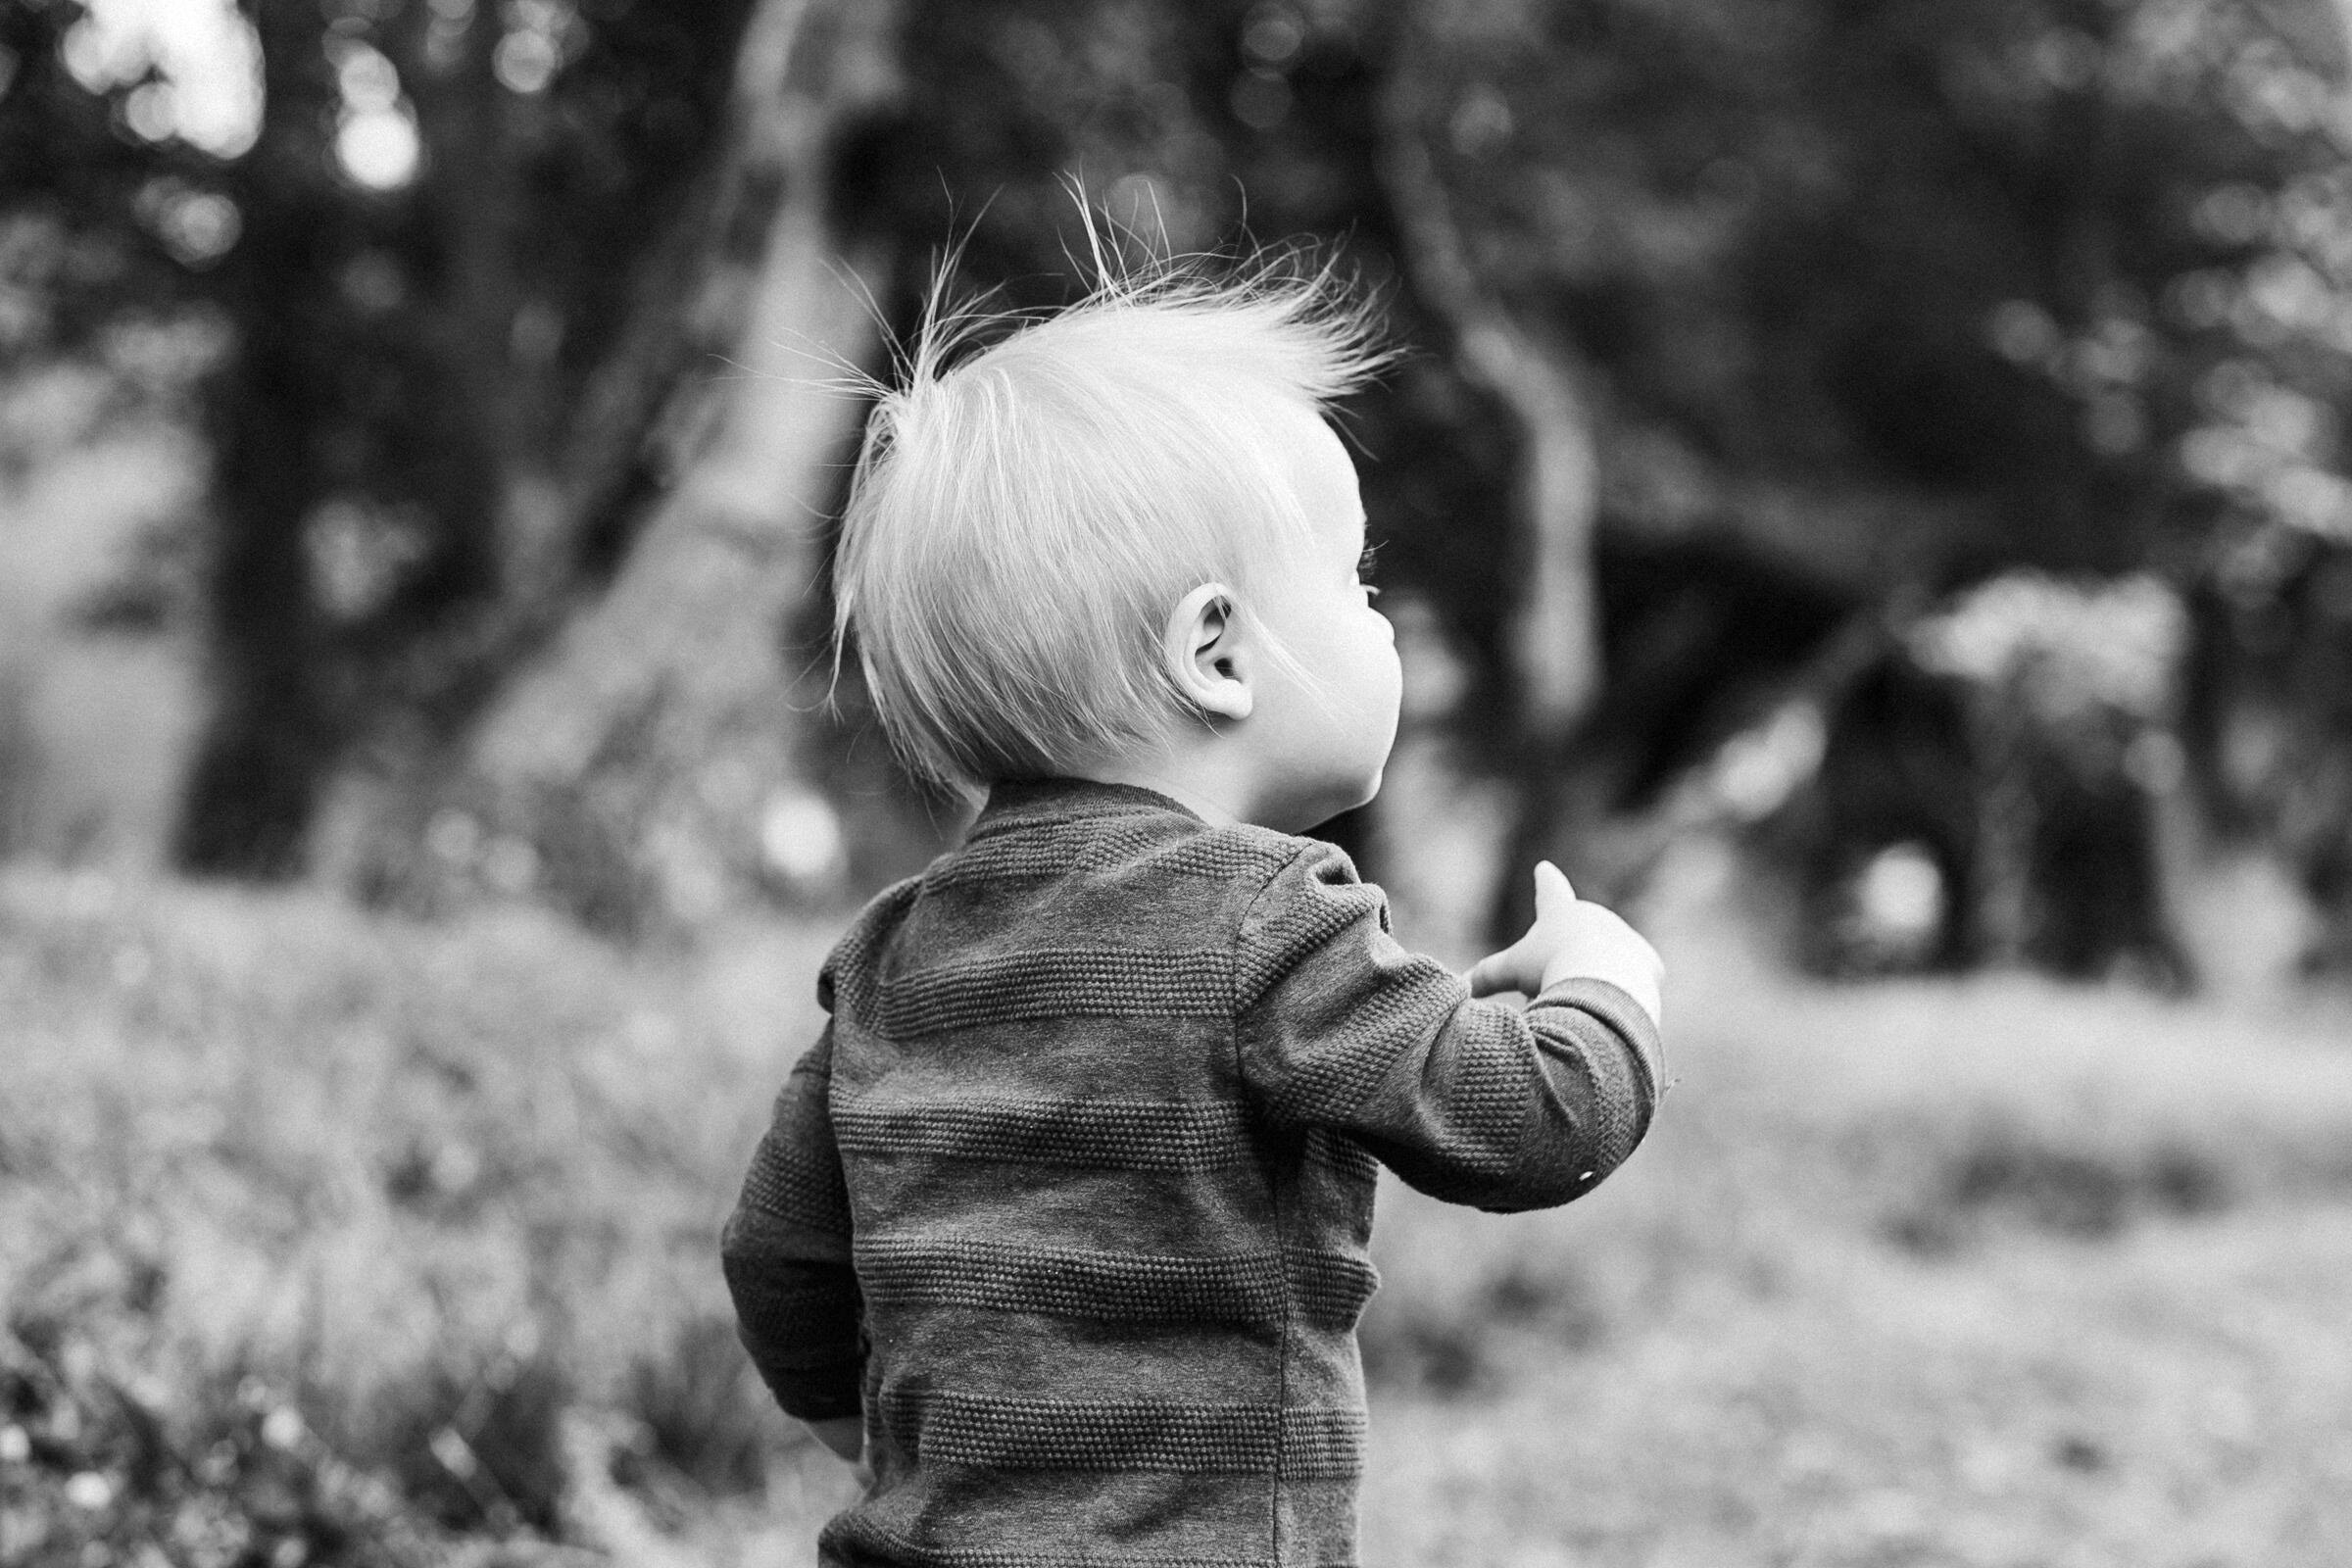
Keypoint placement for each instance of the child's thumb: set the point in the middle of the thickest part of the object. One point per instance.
(1553, 892)
(1487, 975)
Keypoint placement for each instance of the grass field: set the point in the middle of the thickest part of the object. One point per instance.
(325, 1239)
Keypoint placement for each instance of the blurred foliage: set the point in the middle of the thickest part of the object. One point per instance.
(339, 1240)
(413, 261)
(1866, 302)
(1904, 295)
(1956, 265)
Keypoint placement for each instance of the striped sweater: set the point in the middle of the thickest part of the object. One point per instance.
(1072, 1198)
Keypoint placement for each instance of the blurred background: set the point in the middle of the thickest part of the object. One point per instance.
(1867, 492)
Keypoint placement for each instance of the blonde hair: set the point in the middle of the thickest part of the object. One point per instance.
(1022, 520)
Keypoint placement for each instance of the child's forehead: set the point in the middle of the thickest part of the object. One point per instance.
(1316, 463)
(1323, 528)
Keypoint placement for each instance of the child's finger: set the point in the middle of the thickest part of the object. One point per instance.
(1497, 971)
(1483, 976)
(1553, 892)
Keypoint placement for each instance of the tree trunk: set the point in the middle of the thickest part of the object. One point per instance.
(253, 783)
(1555, 629)
(653, 758)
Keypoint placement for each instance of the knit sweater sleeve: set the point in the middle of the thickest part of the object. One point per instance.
(1339, 1026)
(786, 1252)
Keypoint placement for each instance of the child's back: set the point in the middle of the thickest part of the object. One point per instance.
(1062, 1227)
(1089, 1145)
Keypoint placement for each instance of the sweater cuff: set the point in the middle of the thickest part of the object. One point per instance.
(1616, 1008)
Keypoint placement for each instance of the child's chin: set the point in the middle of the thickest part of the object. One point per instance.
(1364, 789)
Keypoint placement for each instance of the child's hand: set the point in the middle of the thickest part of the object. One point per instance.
(1573, 940)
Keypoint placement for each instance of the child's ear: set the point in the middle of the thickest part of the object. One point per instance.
(1204, 651)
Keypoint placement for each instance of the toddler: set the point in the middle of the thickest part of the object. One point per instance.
(1060, 1228)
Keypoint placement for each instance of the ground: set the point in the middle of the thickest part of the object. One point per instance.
(326, 1238)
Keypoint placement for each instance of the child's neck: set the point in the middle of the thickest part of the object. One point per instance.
(1223, 778)
(1210, 783)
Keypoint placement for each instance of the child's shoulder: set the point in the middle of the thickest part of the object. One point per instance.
(1178, 873)
(866, 935)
